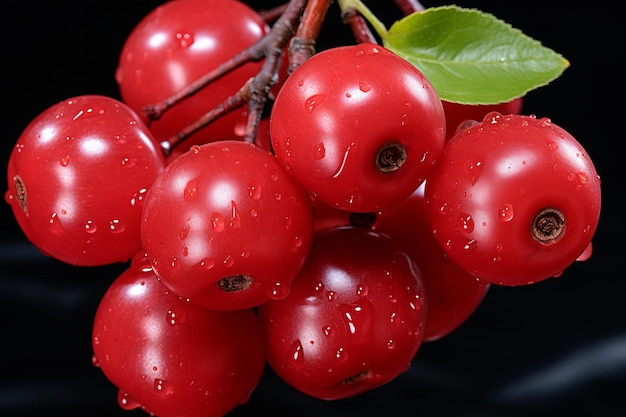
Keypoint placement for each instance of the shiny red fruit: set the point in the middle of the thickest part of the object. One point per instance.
(354, 318)
(225, 226)
(358, 126)
(170, 357)
(77, 177)
(178, 43)
(514, 200)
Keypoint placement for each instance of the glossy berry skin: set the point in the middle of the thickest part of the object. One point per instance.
(77, 177)
(176, 44)
(358, 126)
(354, 318)
(515, 199)
(453, 294)
(225, 226)
(459, 115)
(170, 357)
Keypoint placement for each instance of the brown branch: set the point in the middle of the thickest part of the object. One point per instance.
(360, 28)
(302, 45)
(254, 92)
(271, 15)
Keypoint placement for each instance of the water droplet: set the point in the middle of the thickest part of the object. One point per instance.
(362, 290)
(162, 387)
(218, 222)
(470, 247)
(586, 253)
(228, 261)
(65, 161)
(319, 152)
(126, 402)
(235, 219)
(129, 162)
(473, 170)
(466, 223)
(364, 86)
(195, 149)
(175, 317)
(206, 263)
(327, 330)
(505, 212)
(90, 226)
(391, 344)
(311, 103)
(297, 354)
(138, 196)
(185, 39)
(278, 291)
(254, 190)
(191, 190)
(184, 233)
(117, 226)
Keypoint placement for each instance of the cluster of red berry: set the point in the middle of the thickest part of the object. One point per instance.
(367, 216)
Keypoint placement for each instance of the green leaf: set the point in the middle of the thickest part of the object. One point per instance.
(472, 57)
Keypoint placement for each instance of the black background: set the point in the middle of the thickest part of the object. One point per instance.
(554, 348)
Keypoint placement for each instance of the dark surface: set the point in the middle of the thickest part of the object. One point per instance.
(551, 349)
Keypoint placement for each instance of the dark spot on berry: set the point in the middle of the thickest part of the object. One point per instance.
(234, 283)
(390, 157)
(548, 226)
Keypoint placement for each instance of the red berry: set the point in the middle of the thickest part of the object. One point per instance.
(178, 43)
(170, 357)
(225, 226)
(358, 126)
(77, 177)
(514, 200)
(354, 318)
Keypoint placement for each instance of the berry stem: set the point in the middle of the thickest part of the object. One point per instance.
(409, 6)
(302, 45)
(358, 24)
(357, 5)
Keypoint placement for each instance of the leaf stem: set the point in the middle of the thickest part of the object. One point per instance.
(378, 26)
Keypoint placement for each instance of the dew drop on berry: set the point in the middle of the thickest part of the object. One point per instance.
(473, 170)
(470, 247)
(138, 197)
(117, 226)
(162, 387)
(505, 212)
(311, 103)
(278, 291)
(466, 223)
(207, 263)
(185, 39)
(129, 162)
(320, 151)
(218, 222)
(175, 317)
(90, 226)
(362, 290)
(254, 190)
(327, 330)
(586, 253)
(126, 402)
(364, 86)
(297, 354)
